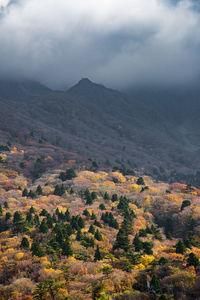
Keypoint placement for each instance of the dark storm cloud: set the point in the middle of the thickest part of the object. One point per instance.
(118, 43)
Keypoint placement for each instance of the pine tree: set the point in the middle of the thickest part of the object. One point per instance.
(47, 287)
(185, 203)
(57, 211)
(44, 213)
(127, 225)
(17, 217)
(88, 197)
(91, 229)
(70, 174)
(102, 206)
(62, 176)
(29, 218)
(6, 205)
(8, 216)
(57, 190)
(81, 223)
(24, 243)
(147, 247)
(180, 247)
(140, 181)
(74, 222)
(154, 284)
(59, 234)
(66, 248)
(36, 220)
(86, 213)
(67, 216)
(40, 291)
(32, 194)
(123, 204)
(32, 210)
(192, 260)
(142, 233)
(49, 221)
(87, 193)
(79, 235)
(93, 216)
(137, 243)
(114, 224)
(97, 255)
(163, 260)
(25, 193)
(187, 242)
(62, 190)
(39, 190)
(43, 227)
(98, 235)
(36, 249)
(71, 191)
(122, 241)
(114, 198)
(94, 195)
(97, 223)
(69, 229)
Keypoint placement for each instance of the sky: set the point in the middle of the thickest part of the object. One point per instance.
(113, 42)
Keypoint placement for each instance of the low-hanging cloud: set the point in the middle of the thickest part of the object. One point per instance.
(118, 43)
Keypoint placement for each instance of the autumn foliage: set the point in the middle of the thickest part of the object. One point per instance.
(79, 234)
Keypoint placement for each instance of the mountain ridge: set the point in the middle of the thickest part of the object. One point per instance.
(92, 119)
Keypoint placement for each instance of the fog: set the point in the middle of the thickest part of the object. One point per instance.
(118, 43)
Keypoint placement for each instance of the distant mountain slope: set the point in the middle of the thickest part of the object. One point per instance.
(150, 128)
(18, 90)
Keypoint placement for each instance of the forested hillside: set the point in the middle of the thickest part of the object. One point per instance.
(99, 150)
(157, 130)
(80, 231)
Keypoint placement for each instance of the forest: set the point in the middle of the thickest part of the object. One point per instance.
(83, 232)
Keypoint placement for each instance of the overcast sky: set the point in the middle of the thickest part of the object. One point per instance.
(115, 42)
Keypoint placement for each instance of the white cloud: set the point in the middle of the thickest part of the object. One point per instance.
(112, 41)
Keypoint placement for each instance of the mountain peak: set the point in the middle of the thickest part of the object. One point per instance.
(85, 85)
(85, 80)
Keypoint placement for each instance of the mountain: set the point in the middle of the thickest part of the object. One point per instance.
(16, 90)
(153, 129)
(83, 234)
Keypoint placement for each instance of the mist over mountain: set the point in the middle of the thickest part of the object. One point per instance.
(147, 128)
(120, 44)
(145, 53)
(100, 149)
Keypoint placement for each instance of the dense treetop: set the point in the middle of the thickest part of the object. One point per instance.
(96, 234)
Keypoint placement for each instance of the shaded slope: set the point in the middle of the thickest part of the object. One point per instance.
(149, 128)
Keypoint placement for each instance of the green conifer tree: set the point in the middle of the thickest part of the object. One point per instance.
(180, 247)
(25, 193)
(97, 255)
(66, 248)
(91, 229)
(192, 260)
(98, 235)
(39, 190)
(6, 205)
(137, 243)
(25, 243)
(36, 249)
(43, 226)
(154, 284)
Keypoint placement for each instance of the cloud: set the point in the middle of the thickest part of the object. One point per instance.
(118, 43)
